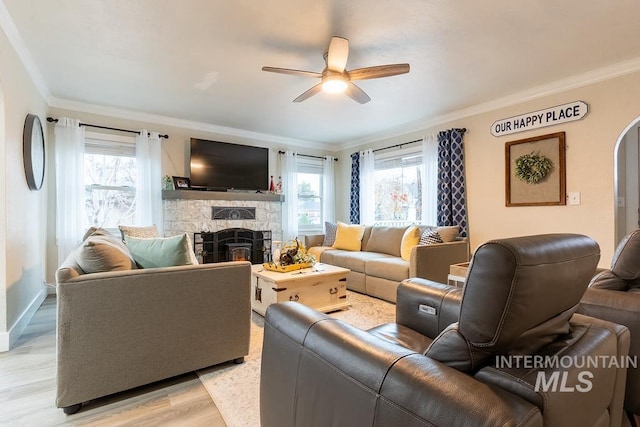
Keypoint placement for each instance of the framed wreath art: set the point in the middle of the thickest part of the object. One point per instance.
(535, 171)
(533, 168)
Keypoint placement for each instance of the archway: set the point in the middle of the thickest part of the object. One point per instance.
(627, 180)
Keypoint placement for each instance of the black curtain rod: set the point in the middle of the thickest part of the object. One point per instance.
(308, 155)
(397, 145)
(407, 143)
(52, 120)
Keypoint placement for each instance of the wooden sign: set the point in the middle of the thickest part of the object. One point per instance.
(576, 110)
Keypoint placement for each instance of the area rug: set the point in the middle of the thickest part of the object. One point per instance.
(235, 389)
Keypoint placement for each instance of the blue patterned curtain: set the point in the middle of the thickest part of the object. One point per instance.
(354, 206)
(452, 202)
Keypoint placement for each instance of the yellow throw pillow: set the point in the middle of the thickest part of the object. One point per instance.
(349, 237)
(410, 239)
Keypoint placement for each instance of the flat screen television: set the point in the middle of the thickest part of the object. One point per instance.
(222, 166)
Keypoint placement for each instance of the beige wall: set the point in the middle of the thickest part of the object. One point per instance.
(23, 217)
(590, 166)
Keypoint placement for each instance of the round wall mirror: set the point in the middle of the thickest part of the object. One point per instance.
(33, 151)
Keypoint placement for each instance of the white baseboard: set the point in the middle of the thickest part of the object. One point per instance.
(9, 338)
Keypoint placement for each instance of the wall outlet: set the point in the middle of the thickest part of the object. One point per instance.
(574, 198)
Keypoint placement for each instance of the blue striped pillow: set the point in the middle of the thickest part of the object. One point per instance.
(429, 237)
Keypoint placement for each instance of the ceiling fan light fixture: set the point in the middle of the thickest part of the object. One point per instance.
(334, 84)
(335, 78)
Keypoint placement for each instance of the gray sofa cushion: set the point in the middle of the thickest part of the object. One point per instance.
(388, 268)
(327, 254)
(448, 233)
(386, 240)
(354, 261)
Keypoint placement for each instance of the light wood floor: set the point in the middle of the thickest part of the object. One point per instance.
(28, 386)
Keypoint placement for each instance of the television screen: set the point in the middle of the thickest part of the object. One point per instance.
(222, 166)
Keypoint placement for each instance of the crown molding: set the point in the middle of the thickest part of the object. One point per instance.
(559, 86)
(10, 29)
(121, 113)
(585, 79)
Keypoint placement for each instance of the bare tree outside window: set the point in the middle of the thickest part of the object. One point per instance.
(110, 183)
(309, 201)
(398, 190)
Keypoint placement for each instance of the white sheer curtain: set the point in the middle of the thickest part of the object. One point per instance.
(430, 180)
(149, 180)
(367, 188)
(328, 189)
(290, 184)
(71, 218)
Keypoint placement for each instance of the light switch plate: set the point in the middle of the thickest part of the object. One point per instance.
(574, 198)
(621, 202)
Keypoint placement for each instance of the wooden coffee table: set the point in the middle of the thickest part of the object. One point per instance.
(322, 287)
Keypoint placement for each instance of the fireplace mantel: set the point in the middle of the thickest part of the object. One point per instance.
(220, 195)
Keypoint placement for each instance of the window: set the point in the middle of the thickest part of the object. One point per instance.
(310, 216)
(399, 188)
(109, 179)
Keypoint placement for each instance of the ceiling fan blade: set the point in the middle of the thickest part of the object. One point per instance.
(338, 54)
(357, 94)
(308, 94)
(292, 72)
(378, 71)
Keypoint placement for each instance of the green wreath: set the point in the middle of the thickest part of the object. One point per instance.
(533, 168)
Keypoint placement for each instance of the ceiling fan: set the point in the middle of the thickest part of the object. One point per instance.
(335, 78)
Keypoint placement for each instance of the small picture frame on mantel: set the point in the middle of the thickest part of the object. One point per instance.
(535, 171)
(181, 183)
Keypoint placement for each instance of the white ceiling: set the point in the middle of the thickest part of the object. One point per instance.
(201, 60)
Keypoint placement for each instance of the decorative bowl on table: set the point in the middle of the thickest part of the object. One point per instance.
(293, 256)
(272, 266)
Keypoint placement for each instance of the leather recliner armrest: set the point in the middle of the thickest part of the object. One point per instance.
(622, 308)
(615, 306)
(427, 307)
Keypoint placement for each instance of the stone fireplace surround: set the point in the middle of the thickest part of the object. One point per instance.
(191, 211)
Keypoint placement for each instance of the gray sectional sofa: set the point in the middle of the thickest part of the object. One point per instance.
(378, 268)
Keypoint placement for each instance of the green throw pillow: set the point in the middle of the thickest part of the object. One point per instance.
(160, 252)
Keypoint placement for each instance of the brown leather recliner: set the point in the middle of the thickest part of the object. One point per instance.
(452, 358)
(614, 295)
